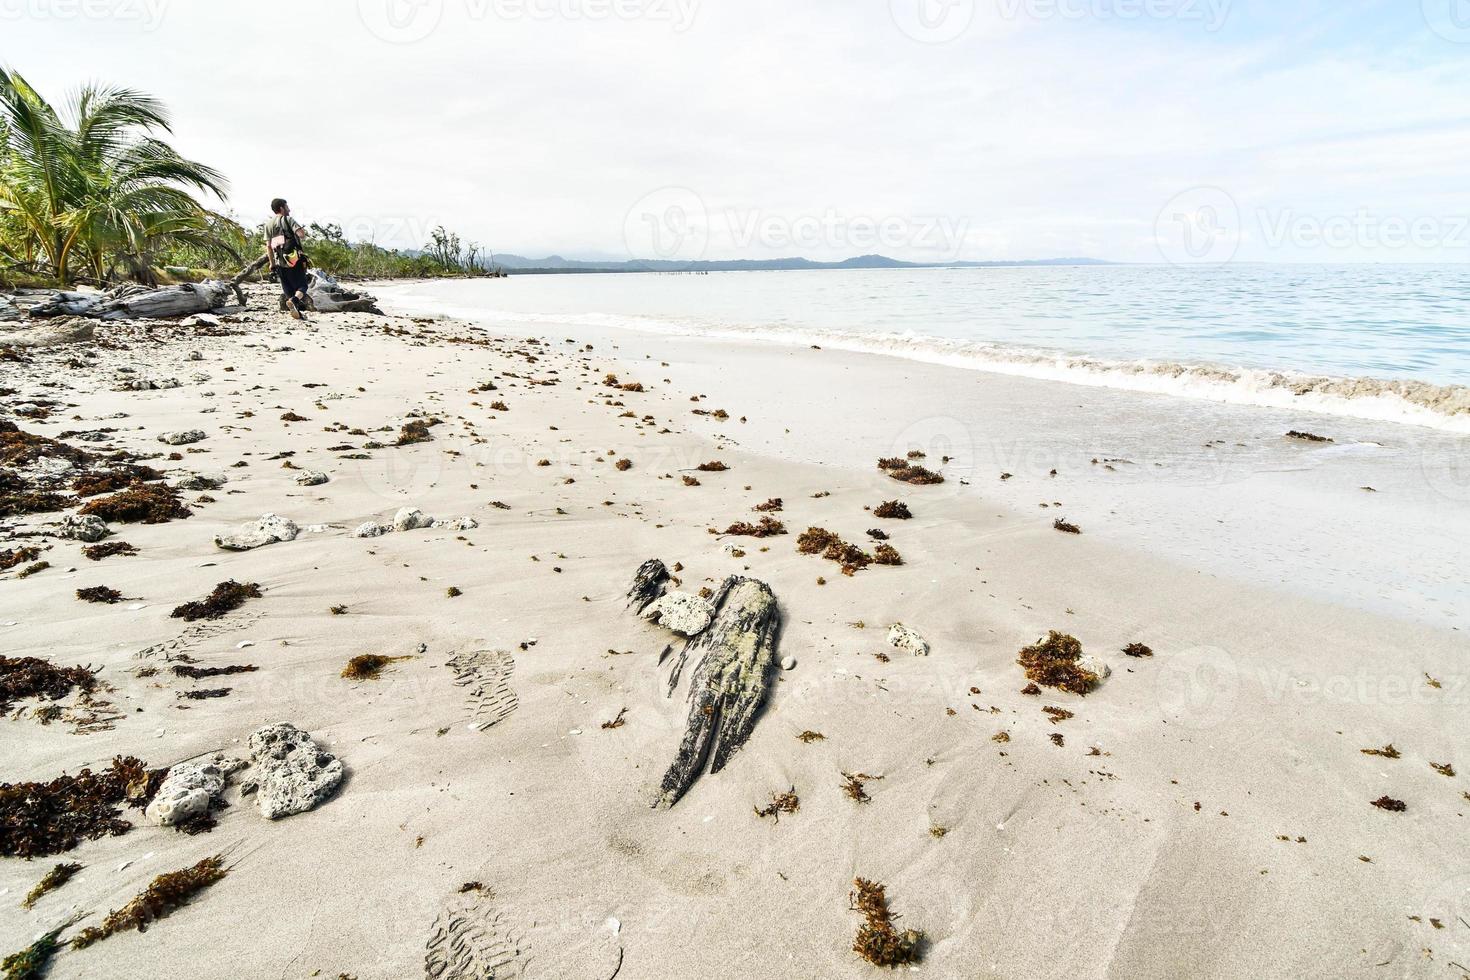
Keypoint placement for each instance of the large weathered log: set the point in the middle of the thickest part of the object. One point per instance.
(728, 686)
(170, 301)
(648, 584)
(66, 304)
(8, 310)
(328, 296)
(69, 331)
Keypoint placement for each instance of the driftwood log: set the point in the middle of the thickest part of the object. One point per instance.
(72, 330)
(66, 304)
(328, 296)
(727, 689)
(8, 310)
(170, 301)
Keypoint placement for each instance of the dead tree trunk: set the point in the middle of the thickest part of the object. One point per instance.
(728, 687)
(170, 301)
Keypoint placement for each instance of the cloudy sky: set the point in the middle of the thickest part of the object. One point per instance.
(1133, 130)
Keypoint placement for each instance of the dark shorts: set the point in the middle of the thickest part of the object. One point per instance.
(292, 279)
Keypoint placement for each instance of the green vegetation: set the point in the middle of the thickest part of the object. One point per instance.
(90, 192)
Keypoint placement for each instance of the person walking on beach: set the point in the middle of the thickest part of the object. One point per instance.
(286, 257)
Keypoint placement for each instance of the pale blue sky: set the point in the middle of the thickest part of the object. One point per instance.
(1135, 130)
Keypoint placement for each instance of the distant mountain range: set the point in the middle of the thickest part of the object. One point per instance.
(556, 264)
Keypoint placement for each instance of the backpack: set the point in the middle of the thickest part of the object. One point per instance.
(286, 251)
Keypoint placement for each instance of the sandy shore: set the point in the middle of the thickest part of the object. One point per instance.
(1206, 812)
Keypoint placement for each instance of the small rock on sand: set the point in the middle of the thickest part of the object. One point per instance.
(202, 481)
(681, 612)
(788, 663)
(187, 792)
(181, 438)
(410, 518)
(294, 773)
(82, 527)
(311, 478)
(255, 534)
(370, 529)
(903, 638)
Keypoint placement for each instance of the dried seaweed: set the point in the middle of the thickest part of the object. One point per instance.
(196, 673)
(1387, 752)
(31, 677)
(771, 506)
(1057, 715)
(787, 802)
(886, 554)
(11, 557)
(32, 962)
(97, 552)
(20, 504)
(19, 448)
(415, 430)
(100, 593)
(765, 528)
(1053, 662)
(53, 880)
(877, 940)
(1306, 436)
(895, 510)
(713, 466)
(1443, 768)
(118, 478)
(1390, 804)
(205, 694)
(226, 597)
(30, 570)
(907, 472)
(854, 785)
(817, 540)
(368, 666)
(39, 819)
(809, 736)
(164, 895)
(145, 503)
(623, 465)
(1137, 650)
(690, 481)
(1065, 526)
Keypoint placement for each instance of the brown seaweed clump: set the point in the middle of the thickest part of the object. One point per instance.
(765, 528)
(20, 504)
(787, 802)
(1306, 436)
(119, 478)
(368, 666)
(195, 673)
(1387, 752)
(226, 597)
(416, 430)
(808, 737)
(1137, 650)
(854, 784)
(163, 896)
(1065, 526)
(623, 465)
(39, 819)
(1390, 804)
(817, 540)
(887, 554)
(11, 557)
(772, 506)
(97, 552)
(100, 593)
(1053, 662)
(713, 466)
(31, 677)
(894, 510)
(877, 940)
(690, 481)
(33, 962)
(144, 503)
(53, 880)
(1057, 715)
(906, 471)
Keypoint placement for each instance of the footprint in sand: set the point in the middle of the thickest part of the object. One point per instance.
(195, 635)
(474, 939)
(485, 676)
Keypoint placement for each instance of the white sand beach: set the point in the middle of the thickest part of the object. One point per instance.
(1206, 811)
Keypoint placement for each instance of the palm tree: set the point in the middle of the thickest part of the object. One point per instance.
(94, 180)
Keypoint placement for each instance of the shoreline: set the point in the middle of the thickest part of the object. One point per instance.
(1159, 837)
